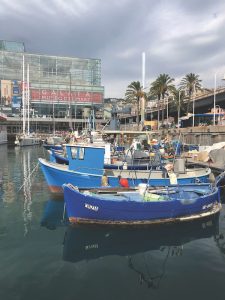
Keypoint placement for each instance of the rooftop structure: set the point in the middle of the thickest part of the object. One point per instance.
(59, 86)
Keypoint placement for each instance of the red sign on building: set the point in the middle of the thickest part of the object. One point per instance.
(65, 96)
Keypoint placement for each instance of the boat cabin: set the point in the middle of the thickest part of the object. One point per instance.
(86, 158)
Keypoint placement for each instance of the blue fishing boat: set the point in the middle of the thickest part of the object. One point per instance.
(51, 146)
(86, 169)
(146, 206)
(144, 163)
(57, 156)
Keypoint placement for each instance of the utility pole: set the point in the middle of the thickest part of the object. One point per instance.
(143, 87)
(70, 114)
(214, 101)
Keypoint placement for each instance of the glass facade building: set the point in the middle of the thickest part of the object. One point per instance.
(63, 86)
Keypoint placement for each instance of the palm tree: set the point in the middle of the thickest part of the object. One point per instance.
(133, 94)
(178, 103)
(155, 91)
(191, 83)
(161, 87)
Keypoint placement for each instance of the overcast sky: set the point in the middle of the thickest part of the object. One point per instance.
(177, 36)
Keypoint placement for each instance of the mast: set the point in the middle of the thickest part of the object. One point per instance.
(143, 87)
(23, 97)
(28, 99)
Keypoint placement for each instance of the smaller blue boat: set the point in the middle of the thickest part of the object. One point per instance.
(146, 206)
(58, 157)
(55, 147)
(129, 164)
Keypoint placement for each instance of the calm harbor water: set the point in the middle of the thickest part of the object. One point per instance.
(42, 257)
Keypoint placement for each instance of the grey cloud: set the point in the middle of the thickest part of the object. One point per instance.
(109, 30)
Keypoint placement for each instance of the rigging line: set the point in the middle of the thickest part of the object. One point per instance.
(28, 177)
(125, 159)
(122, 167)
(179, 140)
(147, 185)
(142, 278)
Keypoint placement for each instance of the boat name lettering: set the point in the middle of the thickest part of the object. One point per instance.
(89, 247)
(92, 207)
(207, 206)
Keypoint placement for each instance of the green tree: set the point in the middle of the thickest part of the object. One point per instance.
(162, 86)
(178, 104)
(191, 84)
(133, 94)
(155, 91)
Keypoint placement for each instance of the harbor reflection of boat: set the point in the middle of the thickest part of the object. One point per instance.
(92, 242)
(54, 214)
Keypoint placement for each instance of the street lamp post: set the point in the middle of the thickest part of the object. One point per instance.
(167, 109)
(217, 106)
(53, 116)
(158, 106)
(193, 124)
(70, 114)
(214, 98)
(178, 112)
(143, 87)
(214, 101)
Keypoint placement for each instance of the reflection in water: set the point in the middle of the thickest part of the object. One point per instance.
(147, 249)
(220, 238)
(1, 189)
(7, 187)
(28, 175)
(90, 242)
(27, 213)
(54, 213)
(153, 280)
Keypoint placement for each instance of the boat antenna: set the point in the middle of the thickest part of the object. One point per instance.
(147, 185)
(23, 96)
(174, 156)
(28, 99)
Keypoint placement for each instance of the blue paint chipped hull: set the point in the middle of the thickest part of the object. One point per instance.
(130, 208)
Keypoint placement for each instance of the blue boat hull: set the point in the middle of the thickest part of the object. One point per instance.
(84, 208)
(60, 159)
(51, 146)
(56, 177)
